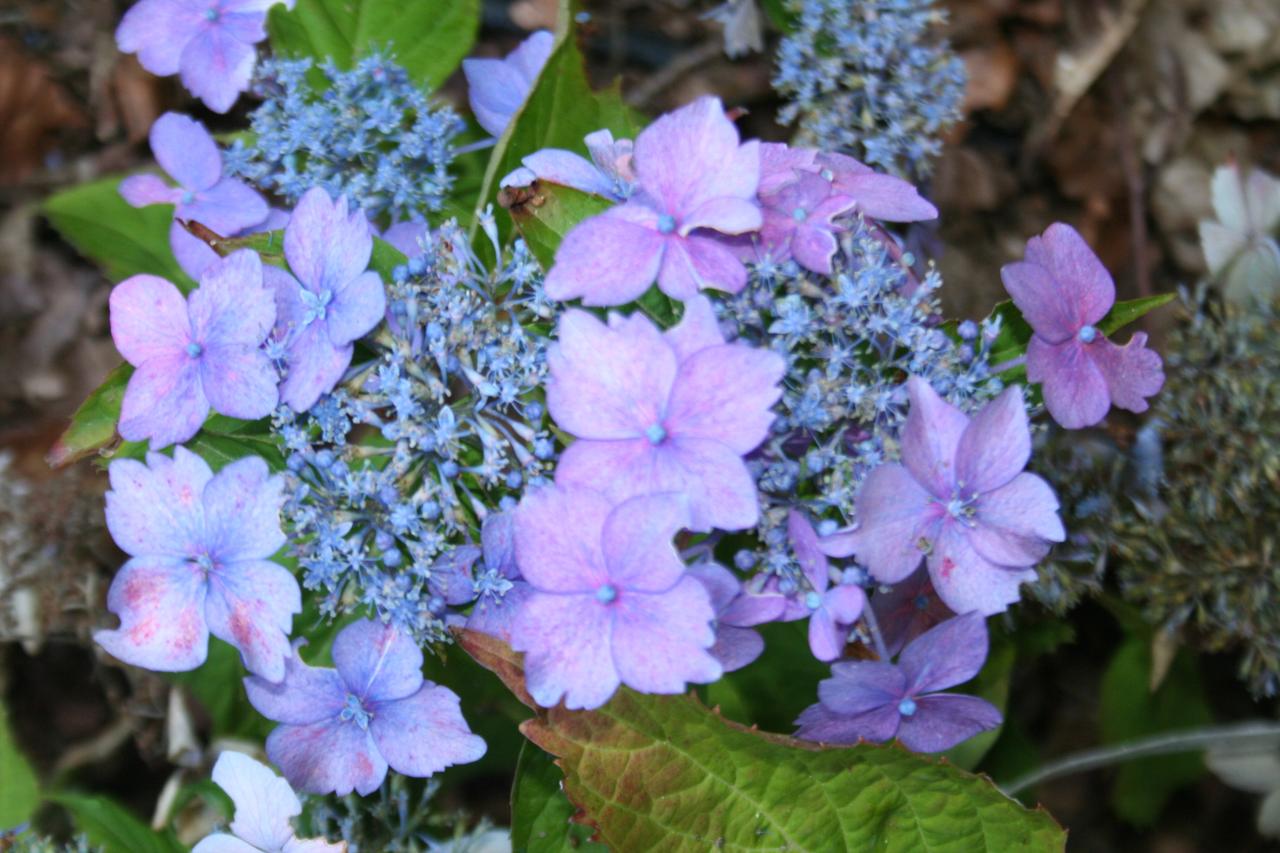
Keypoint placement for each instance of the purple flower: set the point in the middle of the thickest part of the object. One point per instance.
(656, 412)
(798, 222)
(908, 609)
(332, 302)
(877, 700)
(498, 87)
(736, 645)
(407, 236)
(608, 173)
(780, 164)
(611, 603)
(196, 353)
(1063, 290)
(199, 548)
(692, 177)
(831, 610)
(342, 728)
(209, 42)
(264, 804)
(878, 196)
(500, 590)
(961, 497)
(195, 255)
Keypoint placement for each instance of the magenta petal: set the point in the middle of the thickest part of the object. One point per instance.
(941, 722)
(186, 151)
(156, 509)
(697, 329)
(930, 438)
(637, 542)
(242, 511)
(142, 190)
(239, 381)
(228, 207)
(697, 262)
(660, 641)
(163, 402)
(559, 557)
(326, 245)
(315, 366)
(1132, 371)
(845, 603)
(722, 585)
(947, 654)
(160, 603)
(232, 305)
(817, 723)
(568, 646)
(216, 67)
(751, 608)
(1043, 303)
(1085, 282)
(860, 686)
(813, 248)
(966, 581)
(886, 198)
(996, 444)
(423, 734)
(568, 169)
(377, 662)
(329, 757)
(907, 610)
(692, 155)
(157, 31)
(724, 393)
(356, 309)
(893, 515)
(251, 606)
(307, 694)
(148, 319)
(608, 259)
(1075, 390)
(1015, 523)
(781, 164)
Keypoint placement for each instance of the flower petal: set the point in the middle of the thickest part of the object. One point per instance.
(232, 305)
(242, 511)
(660, 641)
(860, 686)
(736, 647)
(966, 581)
(495, 617)
(885, 197)
(1132, 371)
(192, 254)
(637, 542)
(930, 438)
(227, 207)
(692, 155)
(813, 248)
(315, 367)
(163, 401)
(1083, 281)
(610, 259)
(142, 190)
(157, 509)
(1015, 523)
(559, 557)
(817, 723)
(263, 801)
(893, 514)
(941, 722)
(326, 245)
(329, 757)
(158, 30)
(251, 605)
(148, 319)
(724, 393)
(1075, 390)
(725, 214)
(697, 329)
(568, 169)
(947, 654)
(239, 381)
(567, 641)
(996, 444)
(424, 733)
(220, 842)
(160, 603)
(378, 662)
(216, 67)
(495, 92)
(699, 261)
(306, 694)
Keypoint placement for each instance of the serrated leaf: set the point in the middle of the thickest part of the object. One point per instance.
(540, 813)
(108, 825)
(19, 789)
(428, 38)
(665, 773)
(93, 426)
(124, 240)
(545, 212)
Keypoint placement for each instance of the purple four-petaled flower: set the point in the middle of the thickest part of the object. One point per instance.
(832, 610)
(608, 173)
(736, 613)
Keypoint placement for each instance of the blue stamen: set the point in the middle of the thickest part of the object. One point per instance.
(812, 601)
(666, 223)
(799, 214)
(211, 14)
(655, 433)
(606, 593)
(354, 711)
(907, 707)
(194, 349)
(188, 197)
(1087, 334)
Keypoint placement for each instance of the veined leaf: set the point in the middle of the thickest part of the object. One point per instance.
(93, 426)
(545, 212)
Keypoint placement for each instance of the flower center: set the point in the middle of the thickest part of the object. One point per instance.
(194, 349)
(655, 433)
(666, 223)
(1087, 334)
(812, 600)
(606, 593)
(205, 562)
(188, 197)
(211, 14)
(799, 214)
(315, 305)
(962, 507)
(354, 711)
(907, 707)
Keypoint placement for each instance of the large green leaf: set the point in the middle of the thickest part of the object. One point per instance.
(107, 824)
(124, 240)
(93, 426)
(428, 38)
(544, 213)
(665, 773)
(541, 815)
(19, 790)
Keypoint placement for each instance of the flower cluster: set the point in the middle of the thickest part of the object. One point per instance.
(369, 134)
(871, 78)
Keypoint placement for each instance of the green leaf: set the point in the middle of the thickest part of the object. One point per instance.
(428, 38)
(540, 812)
(665, 773)
(545, 212)
(124, 240)
(751, 696)
(116, 830)
(1124, 313)
(19, 789)
(992, 684)
(93, 426)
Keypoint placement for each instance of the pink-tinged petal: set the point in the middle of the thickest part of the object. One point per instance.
(222, 843)
(886, 198)
(329, 757)
(326, 245)
(660, 641)
(227, 207)
(842, 165)
(941, 722)
(496, 618)
(637, 542)
(186, 151)
(967, 581)
(424, 733)
(724, 393)
(239, 381)
(1085, 282)
(263, 801)
(780, 164)
(306, 695)
(946, 655)
(558, 166)
(251, 605)
(193, 254)
(1015, 523)
(163, 401)
(607, 382)
(148, 319)
(160, 603)
(232, 305)
(697, 329)
(314, 367)
(242, 511)
(736, 647)
(158, 509)
(893, 515)
(813, 248)
(697, 262)
(804, 543)
(609, 259)
(725, 214)
(559, 557)
(356, 308)
(931, 437)
(1044, 303)
(996, 444)
(1075, 390)
(407, 237)
(568, 646)
(860, 686)
(142, 190)
(158, 30)
(1132, 371)
(378, 662)
(817, 723)
(216, 67)
(691, 155)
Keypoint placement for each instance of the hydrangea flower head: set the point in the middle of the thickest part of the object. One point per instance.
(333, 300)
(264, 804)
(655, 412)
(692, 178)
(497, 88)
(210, 43)
(200, 549)
(961, 498)
(609, 172)
(196, 353)
(832, 609)
(611, 602)
(1063, 291)
(877, 700)
(342, 728)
